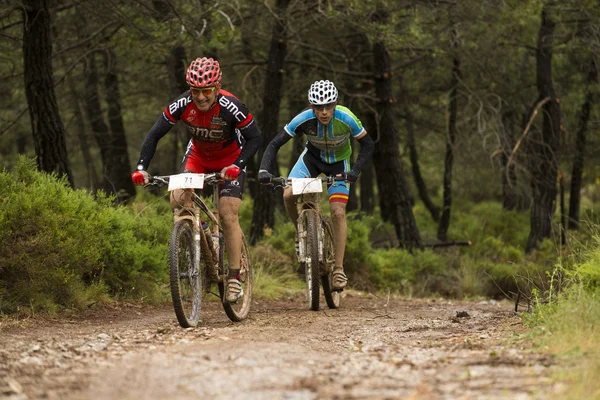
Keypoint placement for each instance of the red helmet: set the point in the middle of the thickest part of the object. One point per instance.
(203, 72)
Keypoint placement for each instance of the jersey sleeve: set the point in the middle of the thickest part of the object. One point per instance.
(235, 107)
(347, 117)
(173, 112)
(294, 127)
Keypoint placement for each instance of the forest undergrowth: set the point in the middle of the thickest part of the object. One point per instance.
(68, 249)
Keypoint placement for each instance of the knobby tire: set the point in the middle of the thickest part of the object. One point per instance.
(185, 283)
(312, 272)
(238, 311)
(332, 298)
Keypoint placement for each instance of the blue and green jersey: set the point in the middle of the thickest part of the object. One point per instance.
(331, 142)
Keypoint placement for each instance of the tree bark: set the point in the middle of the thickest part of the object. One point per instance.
(509, 176)
(46, 125)
(176, 67)
(297, 102)
(120, 166)
(367, 175)
(416, 170)
(444, 224)
(99, 128)
(92, 175)
(264, 209)
(545, 151)
(388, 164)
(580, 142)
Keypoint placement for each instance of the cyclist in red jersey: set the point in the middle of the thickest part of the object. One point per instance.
(224, 137)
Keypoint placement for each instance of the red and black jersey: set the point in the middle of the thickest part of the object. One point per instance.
(217, 133)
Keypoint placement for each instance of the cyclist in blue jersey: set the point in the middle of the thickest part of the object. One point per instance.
(328, 128)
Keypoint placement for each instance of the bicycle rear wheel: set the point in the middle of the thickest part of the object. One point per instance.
(185, 279)
(332, 298)
(238, 311)
(311, 268)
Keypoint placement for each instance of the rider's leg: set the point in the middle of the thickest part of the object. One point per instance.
(290, 202)
(340, 231)
(232, 231)
(338, 199)
(304, 168)
(181, 198)
(228, 210)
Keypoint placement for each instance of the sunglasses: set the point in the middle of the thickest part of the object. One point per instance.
(321, 107)
(206, 91)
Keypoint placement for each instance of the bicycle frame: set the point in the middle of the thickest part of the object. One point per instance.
(191, 247)
(311, 226)
(193, 214)
(309, 202)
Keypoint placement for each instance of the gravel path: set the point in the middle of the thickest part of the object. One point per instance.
(372, 348)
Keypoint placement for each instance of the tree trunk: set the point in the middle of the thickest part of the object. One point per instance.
(545, 150)
(99, 127)
(388, 164)
(176, 66)
(367, 175)
(264, 209)
(46, 125)
(444, 224)
(297, 102)
(580, 141)
(416, 170)
(509, 176)
(21, 144)
(121, 167)
(92, 175)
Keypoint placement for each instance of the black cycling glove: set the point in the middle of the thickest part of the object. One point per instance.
(264, 176)
(350, 176)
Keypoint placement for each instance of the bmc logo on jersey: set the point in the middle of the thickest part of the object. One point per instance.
(206, 134)
(184, 101)
(232, 108)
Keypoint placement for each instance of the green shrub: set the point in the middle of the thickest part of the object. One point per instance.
(404, 272)
(64, 248)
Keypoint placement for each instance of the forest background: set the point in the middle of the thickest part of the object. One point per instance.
(484, 180)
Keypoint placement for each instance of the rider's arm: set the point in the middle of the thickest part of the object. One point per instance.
(253, 141)
(271, 151)
(160, 129)
(366, 151)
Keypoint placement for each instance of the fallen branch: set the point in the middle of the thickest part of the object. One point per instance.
(449, 243)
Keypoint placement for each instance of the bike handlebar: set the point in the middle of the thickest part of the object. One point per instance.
(284, 182)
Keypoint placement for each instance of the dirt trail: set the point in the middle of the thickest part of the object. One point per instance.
(372, 348)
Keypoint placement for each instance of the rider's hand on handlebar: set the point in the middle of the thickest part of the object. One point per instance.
(231, 172)
(264, 176)
(140, 177)
(349, 176)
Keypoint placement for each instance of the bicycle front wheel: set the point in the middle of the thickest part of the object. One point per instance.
(311, 267)
(238, 311)
(332, 298)
(185, 279)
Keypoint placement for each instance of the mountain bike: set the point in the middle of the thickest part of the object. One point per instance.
(197, 256)
(316, 252)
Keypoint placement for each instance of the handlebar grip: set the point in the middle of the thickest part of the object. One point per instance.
(279, 181)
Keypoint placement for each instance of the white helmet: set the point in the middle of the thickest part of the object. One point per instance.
(322, 92)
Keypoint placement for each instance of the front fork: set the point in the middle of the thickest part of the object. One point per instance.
(302, 235)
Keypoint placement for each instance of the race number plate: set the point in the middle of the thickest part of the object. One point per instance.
(186, 181)
(306, 185)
